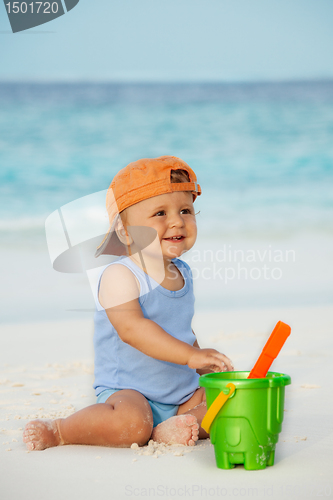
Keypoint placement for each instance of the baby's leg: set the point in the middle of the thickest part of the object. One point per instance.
(124, 418)
(184, 428)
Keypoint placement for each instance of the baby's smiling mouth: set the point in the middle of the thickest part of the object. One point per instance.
(175, 238)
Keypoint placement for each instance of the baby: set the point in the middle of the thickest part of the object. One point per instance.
(147, 359)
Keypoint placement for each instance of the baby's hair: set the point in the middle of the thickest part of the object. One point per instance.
(179, 175)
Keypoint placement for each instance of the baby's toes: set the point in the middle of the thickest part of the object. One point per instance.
(195, 435)
(30, 445)
(29, 438)
(28, 428)
(26, 437)
(193, 426)
(195, 432)
(29, 433)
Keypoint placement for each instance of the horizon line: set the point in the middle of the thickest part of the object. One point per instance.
(322, 80)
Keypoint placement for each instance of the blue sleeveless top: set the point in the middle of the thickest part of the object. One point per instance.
(120, 366)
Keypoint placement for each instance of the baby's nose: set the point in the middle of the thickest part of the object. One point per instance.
(176, 220)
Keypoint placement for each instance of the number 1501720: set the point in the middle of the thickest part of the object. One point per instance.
(32, 7)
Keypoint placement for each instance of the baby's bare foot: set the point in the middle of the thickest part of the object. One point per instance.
(41, 434)
(181, 429)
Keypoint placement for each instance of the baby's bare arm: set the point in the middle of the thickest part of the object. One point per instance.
(146, 335)
(118, 287)
(119, 294)
(149, 338)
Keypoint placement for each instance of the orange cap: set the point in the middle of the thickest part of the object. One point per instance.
(139, 181)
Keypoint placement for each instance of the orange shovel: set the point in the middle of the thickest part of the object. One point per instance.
(272, 348)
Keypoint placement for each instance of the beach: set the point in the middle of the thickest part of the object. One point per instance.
(46, 371)
(263, 154)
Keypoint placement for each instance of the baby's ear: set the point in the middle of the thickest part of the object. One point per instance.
(122, 233)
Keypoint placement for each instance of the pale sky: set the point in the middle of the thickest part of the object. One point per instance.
(174, 40)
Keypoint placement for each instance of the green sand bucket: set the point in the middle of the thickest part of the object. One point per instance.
(244, 417)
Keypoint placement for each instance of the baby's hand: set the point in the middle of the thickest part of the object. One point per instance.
(211, 359)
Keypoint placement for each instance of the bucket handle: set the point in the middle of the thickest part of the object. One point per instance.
(216, 406)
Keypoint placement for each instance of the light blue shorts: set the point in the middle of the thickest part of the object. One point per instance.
(160, 411)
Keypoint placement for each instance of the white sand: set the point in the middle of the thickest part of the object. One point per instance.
(46, 370)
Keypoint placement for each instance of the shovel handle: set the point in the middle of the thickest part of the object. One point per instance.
(270, 351)
(216, 406)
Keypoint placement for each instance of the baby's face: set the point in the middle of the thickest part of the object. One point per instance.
(171, 215)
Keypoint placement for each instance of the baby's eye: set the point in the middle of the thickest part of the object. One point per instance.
(186, 211)
(161, 212)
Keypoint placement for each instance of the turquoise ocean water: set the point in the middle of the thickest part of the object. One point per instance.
(263, 155)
